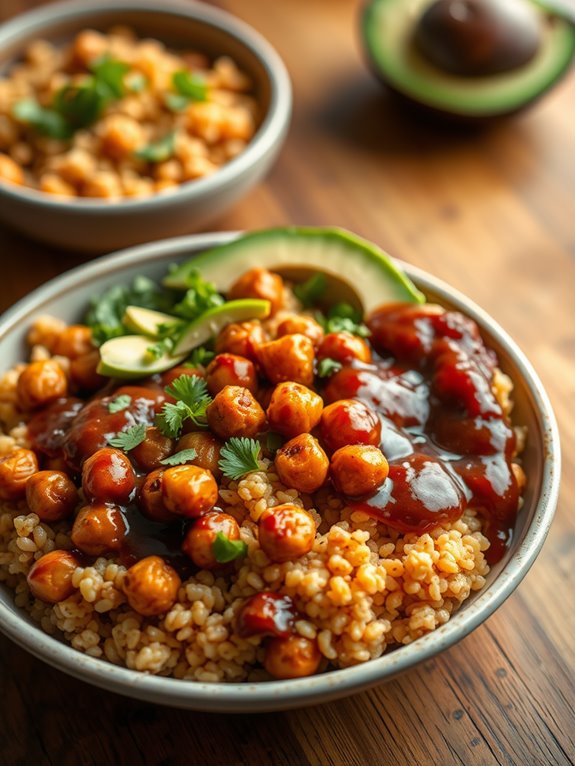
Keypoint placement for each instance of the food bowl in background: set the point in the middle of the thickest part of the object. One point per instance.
(95, 225)
(68, 297)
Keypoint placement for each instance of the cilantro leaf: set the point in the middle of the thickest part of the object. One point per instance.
(120, 403)
(171, 419)
(80, 105)
(48, 122)
(239, 456)
(193, 399)
(188, 388)
(310, 291)
(226, 550)
(109, 76)
(158, 151)
(328, 367)
(189, 87)
(200, 357)
(176, 102)
(200, 296)
(343, 317)
(183, 456)
(130, 438)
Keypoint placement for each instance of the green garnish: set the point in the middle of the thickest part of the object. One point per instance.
(342, 317)
(200, 296)
(109, 77)
(274, 442)
(129, 438)
(239, 456)
(181, 457)
(226, 550)
(328, 367)
(158, 151)
(120, 403)
(164, 346)
(200, 357)
(310, 291)
(45, 121)
(191, 393)
(189, 87)
(137, 82)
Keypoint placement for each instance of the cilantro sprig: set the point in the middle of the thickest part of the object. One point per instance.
(188, 87)
(120, 403)
(239, 456)
(129, 438)
(343, 317)
(158, 151)
(312, 290)
(200, 357)
(328, 367)
(192, 401)
(226, 550)
(181, 457)
(200, 297)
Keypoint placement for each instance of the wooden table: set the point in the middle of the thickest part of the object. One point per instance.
(492, 213)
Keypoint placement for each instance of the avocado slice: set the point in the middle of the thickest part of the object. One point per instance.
(342, 257)
(147, 321)
(128, 357)
(388, 28)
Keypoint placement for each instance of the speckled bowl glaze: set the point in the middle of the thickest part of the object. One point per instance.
(98, 226)
(67, 297)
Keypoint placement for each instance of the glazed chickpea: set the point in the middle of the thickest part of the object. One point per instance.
(120, 136)
(155, 448)
(108, 476)
(294, 409)
(288, 358)
(151, 500)
(358, 469)
(207, 449)
(15, 470)
(291, 657)
(235, 412)
(84, 372)
(74, 341)
(189, 490)
(41, 383)
(198, 542)
(344, 347)
(302, 464)
(98, 529)
(299, 324)
(10, 170)
(50, 578)
(241, 338)
(286, 532)
(259, 283)
(349, 421)
(151, 586)
(51, 494)
(231, 370)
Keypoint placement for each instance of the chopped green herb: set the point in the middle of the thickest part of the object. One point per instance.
(274, 442)
(175, 102)
(120, 403)
(328, 367)
(342, 317)
(200, 357)
(200, 296)
(45, 121)
(136, 82)
(158, 151)
(190, 85)
(80, 105)
(109, 77)
(181, 457)
(226, 550)
(129, 438)
(164, 346)
(239, 456)
(192, 402)
(310, 291)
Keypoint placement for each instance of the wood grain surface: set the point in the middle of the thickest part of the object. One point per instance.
(493, 213)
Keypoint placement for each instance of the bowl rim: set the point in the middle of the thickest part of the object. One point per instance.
(278, 695)
(271, 129)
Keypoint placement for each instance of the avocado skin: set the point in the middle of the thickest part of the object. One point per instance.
(445, 114)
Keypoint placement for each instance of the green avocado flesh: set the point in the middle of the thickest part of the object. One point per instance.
(370, 273)
(388, 27)
(128, 357)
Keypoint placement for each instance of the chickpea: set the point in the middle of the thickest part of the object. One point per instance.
(344, 347)
(259, 283)
(74, 341)
(235, 412)
(299, 324)
(104, 184)
(241, 338)
(98, 529)
(10, 170)
(52, 183)
(358, 469)
(84, 371)
(231, 370)
(286, 532)
(155, 448)
(151, 586)
(151, 500)
(288, 358)
(15, 470)
(198, 542)
(108, 476)
(207, 449)
(51, 494)
(188, 490)
(50, 578)
(302, 464)
(349, 421)
(41, 383)
(294, 409)
(120, 136)
(291, 657)
(88, 46)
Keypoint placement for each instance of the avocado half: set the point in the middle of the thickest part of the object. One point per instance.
(388, 29)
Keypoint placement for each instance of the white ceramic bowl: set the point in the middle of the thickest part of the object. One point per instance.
(99, 226)
(67, 296)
